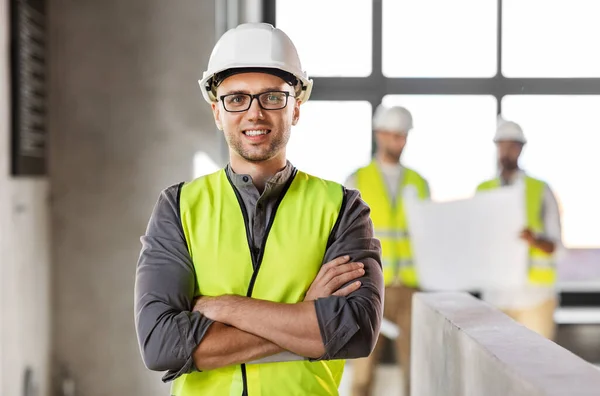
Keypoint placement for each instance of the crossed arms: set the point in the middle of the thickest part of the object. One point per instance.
(248, 329)
(178, 335)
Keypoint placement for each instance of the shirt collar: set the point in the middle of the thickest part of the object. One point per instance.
(516, 178)
(241, 180)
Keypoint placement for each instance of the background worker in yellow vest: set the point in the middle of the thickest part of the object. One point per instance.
(258, 279)
(534, 304)
(385, 184)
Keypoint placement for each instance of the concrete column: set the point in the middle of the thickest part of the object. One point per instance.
(127, 117)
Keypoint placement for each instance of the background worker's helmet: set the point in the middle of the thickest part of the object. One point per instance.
(509, 131)
(392, 119)
(255, 47)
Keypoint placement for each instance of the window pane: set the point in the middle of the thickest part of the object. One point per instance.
(329, 144)
(563, 134)
(450, 144)
(333, 38)
(439, 38)
(551, 38)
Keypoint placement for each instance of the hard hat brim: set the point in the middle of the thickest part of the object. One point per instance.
(498, 140)
(210, 97)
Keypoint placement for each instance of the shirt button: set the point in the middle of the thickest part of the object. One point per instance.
(245, 179)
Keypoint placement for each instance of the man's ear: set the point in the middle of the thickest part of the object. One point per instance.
(217, 115)
(296, 116)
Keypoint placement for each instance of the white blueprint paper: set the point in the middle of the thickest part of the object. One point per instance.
(470, 244)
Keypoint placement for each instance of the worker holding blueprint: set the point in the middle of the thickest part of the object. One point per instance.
(533, 303)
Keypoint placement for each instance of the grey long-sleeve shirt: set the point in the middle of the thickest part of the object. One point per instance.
(165, 286)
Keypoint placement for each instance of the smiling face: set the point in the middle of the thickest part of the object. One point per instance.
(256, 134)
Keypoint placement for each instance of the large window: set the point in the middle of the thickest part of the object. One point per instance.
(331, 43)
(558, 38)
(439, 38)
(329, 144)
(440, 59)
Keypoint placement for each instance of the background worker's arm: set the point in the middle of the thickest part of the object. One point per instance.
(332, 327)
(168, 332)
(550, 240)
(538, 241)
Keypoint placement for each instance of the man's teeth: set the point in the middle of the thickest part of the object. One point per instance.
(256, 132)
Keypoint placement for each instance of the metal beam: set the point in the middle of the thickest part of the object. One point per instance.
(499, 53)
(269, 11)
(377, 40)
(375, 94)
(368, 88)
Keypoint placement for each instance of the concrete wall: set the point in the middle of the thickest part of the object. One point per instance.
(464, 347)
(24, 258)
(126, 119)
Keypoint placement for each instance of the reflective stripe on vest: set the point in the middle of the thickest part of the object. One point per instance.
(389, 221)
(542, 269)
(215, 224)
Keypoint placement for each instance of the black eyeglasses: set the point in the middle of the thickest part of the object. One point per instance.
(272, 100)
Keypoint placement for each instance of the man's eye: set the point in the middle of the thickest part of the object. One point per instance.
(236, 100)
(274, 98)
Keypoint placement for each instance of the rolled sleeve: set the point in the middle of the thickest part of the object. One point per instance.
(165, 284)
(350, 325)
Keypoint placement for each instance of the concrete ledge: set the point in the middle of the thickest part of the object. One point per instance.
(462, 346)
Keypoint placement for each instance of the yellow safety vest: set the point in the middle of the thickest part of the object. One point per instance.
(389, 221)
(215, 224)
(542, 268)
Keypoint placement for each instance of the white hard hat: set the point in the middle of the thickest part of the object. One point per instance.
(392, 119)
(254, 45)
(509, 131)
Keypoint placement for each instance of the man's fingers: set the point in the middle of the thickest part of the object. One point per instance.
(354, 286)
(341, 269)
(335, 262)
(344, 278)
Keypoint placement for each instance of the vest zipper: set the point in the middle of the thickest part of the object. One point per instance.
(257, 254)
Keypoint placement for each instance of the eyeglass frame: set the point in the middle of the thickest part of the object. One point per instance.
(256, 96)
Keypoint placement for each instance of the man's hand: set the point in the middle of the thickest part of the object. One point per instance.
(537, 242)
(334, 275)
(528, 236)
(210, 307)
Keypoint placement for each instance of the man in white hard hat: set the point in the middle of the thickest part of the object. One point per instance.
(258, 279)
(534, 304)
(385, 184)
